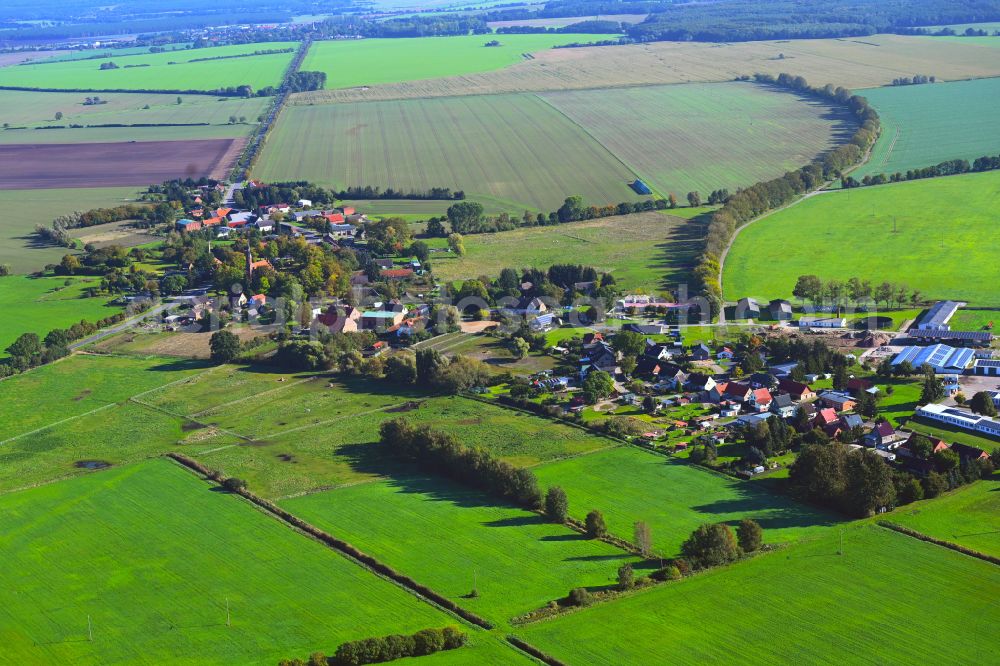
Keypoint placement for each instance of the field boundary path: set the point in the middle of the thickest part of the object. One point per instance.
(119, 327)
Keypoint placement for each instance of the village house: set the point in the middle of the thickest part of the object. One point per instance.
(881, 436)
(780, 310)
(747, 308)
(341, 319)
(701, 352)
(839, 401)
(699, 382)
(783, 406)
(797, 390)
(760, 400)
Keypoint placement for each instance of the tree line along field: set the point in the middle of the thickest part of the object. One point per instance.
(368, 62)
(512, 149)
(705, 136)
(25, 111)
(153, 72)
(525, 151)
(968, 516)
(923, 125)
(643, 251)
(944, 242)
(24, 209)
(888, 598)
(286, 595)
(853, 63)
(454, 540)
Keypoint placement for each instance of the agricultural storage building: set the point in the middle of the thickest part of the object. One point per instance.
(942, 358)
(641, 187)
(987, 366)
(822, 322)
(938, 316)
(975, 338)
(960, 418)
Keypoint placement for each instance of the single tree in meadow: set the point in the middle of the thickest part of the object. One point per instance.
(556, 504)
(596, 527)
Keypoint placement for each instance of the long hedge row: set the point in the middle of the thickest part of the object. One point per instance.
(765, 196)
(940, 542)
(333, 542)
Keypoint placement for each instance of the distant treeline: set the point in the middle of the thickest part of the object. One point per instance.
(946, 168)
(369, 192)
(468, 217)
(387, 648)
(583, 27)
(762, 197)
(243, 55)
(228, 91)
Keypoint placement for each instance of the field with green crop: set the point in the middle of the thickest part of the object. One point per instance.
(969, 516)
(921, 125)
(888, 599)
(38, 305)
(350, 63)
(943, 243)
(630, 485)
(515, 151)
(286, 595)
(642, 251)
(515, 559)
(25, 209)
(154, 71)
(704, 137)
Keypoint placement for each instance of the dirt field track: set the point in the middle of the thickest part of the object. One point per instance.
(37, 166)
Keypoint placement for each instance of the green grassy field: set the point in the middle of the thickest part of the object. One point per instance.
(939, 222)
(920, 127)
(704, 137)
(630, 485)
(974, 320)
(133, 74)
(26, 209)
(512, 151)
(350, 63)
(515, 559)
(642, 251)
(38, 305)
(805, 604)
(117, 531)
(969, 516)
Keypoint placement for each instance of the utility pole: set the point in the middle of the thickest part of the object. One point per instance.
(229, 622)
(90, 630)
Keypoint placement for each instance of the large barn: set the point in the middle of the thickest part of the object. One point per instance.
(944, 359)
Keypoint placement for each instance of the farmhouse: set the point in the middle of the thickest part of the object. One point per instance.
(780, 310)
(942, 358)
(747, 308)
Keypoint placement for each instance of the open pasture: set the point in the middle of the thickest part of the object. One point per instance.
(920, 125)
(854, 63)
(159, 71)
(515, 559)
(630, 485)
(24, 209)
(55, 166)
(968, 516)
(368, 62)
(642, 251)
(944, 243)
(38, 305)
(706, 136)
(564, 21)
(805, 604)
(113, 531)
(512, 151)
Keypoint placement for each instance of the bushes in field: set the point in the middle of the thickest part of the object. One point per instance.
(28, 350)
(469, 217)
(386, 648)
(441, 453)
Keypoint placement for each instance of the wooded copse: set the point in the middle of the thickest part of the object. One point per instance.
(762, 197)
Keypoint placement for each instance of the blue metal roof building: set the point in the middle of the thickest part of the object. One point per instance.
(641, 187)
(944, 359)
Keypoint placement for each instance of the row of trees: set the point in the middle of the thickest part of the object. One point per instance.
(748, 204)
(468, 217)
(380, 649)
(918, 79)
(713, 545)
(29, 350)
(440, 453)
(370, 192)
(854, 290)
(946, 168)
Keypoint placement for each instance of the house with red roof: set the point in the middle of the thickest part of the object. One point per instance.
(825, 417)
(347, 210)
(213, 222)
(760, 399)
(334, 218)
(341, 319)
(397, 273)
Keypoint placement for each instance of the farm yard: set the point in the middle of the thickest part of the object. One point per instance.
(485, 547)
(154, 71)
(873, 61)
(241, 587)
(705, 137)
(968, 516)
(920, 127)
(937, 218)
(350, 64)
(642, 250)
(809, 603)
(56, 166)
(24, 209)
(514, 151)
(630, 485)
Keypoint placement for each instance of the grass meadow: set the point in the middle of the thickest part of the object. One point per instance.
(944, 242)
(38, 305)
(630, 485)
(643, 251)
(515, 559)
(969, 516)
(154, 71)
(920, 125)
(704, 137)
(803, 603)
(116, 531)
(509, 151)
(350, 63)
(25, 209)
